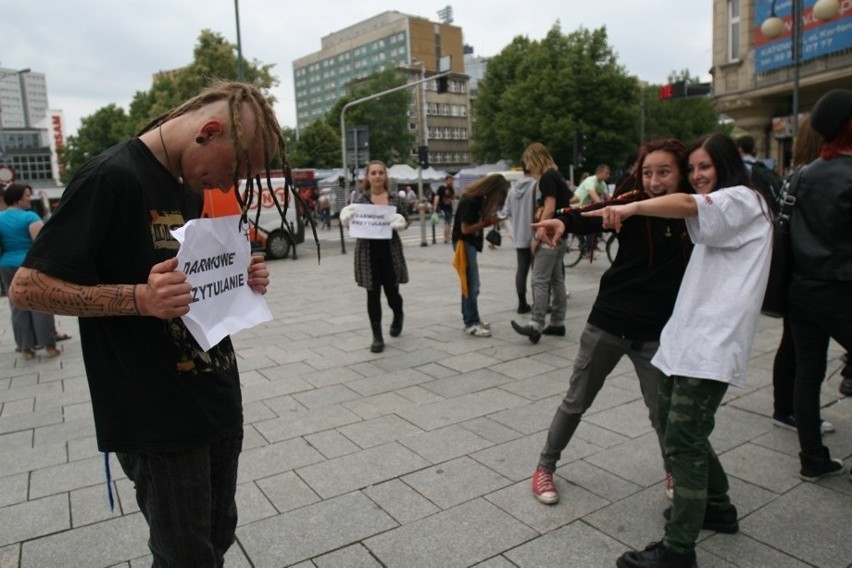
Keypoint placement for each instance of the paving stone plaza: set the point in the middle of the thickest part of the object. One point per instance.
(419, 456)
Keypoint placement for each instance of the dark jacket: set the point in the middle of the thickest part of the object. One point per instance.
(821, 222)
(637, 294)
(363, 248)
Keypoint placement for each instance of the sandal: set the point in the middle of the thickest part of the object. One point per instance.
(53, 352)
(27, 354)
(62, 337)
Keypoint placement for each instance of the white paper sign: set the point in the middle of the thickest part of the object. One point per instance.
(215, 257)
(371, 221)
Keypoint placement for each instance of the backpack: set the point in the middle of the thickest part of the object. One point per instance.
(769, 184)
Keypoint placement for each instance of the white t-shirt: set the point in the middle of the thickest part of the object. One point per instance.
(711, 330)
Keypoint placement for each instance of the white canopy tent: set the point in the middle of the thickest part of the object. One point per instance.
(467, 176)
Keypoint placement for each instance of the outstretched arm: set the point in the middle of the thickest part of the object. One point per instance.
(674, 206)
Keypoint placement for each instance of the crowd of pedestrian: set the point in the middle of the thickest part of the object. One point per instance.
(681, 299)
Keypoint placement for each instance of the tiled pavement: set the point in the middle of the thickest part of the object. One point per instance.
(421, 455)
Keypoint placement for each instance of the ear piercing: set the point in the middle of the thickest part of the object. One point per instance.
(199, 139)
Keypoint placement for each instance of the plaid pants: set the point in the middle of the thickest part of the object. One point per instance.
(188, 500)
(687, 414)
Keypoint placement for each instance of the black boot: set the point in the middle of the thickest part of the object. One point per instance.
(378, 341)
(396, 325)
(656, 555)
(523, 306)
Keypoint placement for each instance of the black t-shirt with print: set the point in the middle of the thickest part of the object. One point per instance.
(153, 389)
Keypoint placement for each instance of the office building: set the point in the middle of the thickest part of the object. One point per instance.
(29, 130)
(394, 40)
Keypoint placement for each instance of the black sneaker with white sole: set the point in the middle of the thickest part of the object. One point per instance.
(819, 465)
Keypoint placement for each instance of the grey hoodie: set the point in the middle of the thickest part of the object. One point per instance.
(519, 208)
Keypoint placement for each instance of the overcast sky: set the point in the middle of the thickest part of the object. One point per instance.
(95, 52)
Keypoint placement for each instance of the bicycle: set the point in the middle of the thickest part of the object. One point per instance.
(574, 249)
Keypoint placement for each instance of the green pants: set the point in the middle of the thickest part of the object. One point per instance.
(687, 414)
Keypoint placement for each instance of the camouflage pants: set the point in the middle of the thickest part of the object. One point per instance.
(687, 413)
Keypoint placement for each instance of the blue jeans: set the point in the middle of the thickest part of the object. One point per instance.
(469, 306)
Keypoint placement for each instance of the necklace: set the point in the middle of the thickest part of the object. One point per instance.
(165, 151)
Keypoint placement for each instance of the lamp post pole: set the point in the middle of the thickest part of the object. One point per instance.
(425, 129)
(796, 55)
(240, 72)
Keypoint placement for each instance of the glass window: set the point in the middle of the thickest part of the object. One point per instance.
(733, 30)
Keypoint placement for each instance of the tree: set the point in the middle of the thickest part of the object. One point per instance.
(318, 147)
(214, 58)
(106, 127)
(386, 117)
(544, 91)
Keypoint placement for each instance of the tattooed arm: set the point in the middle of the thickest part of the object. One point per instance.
(165, 295)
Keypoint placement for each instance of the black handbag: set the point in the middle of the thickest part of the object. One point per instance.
(494, 237)
(781, 264)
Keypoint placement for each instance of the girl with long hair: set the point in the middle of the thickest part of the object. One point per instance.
(476, 211)
(548, 272)
(636, 298)
(705, 345)
(380, 263)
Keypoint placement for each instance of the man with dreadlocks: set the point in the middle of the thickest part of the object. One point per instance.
(171, 412)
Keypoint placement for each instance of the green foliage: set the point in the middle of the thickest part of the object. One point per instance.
(213, 58)
(318, 147)
(542, 91)
(386, 116)
(106, 127)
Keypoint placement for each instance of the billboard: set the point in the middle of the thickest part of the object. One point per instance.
(818, 37)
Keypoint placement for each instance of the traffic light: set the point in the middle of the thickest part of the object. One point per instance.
(423, 156)
(442, 84)
(681, 89)
(579, 148)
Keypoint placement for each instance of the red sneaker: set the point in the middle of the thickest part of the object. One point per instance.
(543, 487)
(669, 486)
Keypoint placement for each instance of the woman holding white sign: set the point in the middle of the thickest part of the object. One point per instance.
(379, 262)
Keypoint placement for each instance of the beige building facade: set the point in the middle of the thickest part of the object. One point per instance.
(394, 40)
(753, 76)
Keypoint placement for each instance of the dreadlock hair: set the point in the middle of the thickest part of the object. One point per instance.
(237, 94)
(492, 187)
(266, 126)
(537, 159)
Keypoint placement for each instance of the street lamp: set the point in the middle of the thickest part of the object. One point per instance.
(773, 27)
